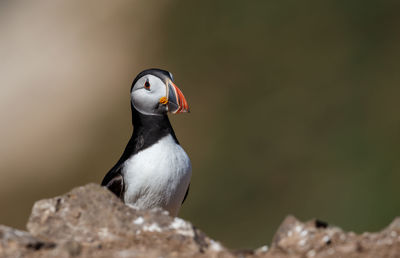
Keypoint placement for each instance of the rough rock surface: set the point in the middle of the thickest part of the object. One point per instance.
(316, 239)
(90, 221)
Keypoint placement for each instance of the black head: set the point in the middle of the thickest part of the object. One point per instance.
(154, 93)
(162, 74)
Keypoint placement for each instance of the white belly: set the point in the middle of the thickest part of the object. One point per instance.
(157, 176)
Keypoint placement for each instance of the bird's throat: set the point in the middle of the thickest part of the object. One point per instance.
(148, 129)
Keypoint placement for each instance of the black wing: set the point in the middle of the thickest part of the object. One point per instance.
(186, 194)
(114, 181)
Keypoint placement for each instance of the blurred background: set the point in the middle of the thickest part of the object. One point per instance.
(294, 105)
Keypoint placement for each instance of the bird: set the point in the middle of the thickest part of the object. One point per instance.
(154, 171)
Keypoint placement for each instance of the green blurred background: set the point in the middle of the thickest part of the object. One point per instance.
(294, 105)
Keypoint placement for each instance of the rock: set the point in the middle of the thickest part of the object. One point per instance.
(16, 243)
(90, 221)
(316, 239)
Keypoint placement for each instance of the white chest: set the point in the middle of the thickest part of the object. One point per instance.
(157, 176)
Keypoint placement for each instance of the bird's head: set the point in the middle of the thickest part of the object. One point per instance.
(154, 93)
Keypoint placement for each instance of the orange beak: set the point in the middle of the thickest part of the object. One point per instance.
(176, 100)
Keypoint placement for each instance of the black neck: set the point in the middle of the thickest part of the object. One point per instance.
(147, 130)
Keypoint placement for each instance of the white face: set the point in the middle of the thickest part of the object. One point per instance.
(146, 95)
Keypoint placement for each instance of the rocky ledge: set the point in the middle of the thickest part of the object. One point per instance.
(90, 221)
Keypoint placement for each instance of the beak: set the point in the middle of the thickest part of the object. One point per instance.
(176, 101)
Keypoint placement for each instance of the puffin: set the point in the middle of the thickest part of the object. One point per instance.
(154, 171)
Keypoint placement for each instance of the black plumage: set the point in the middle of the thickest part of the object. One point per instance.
(148, 130)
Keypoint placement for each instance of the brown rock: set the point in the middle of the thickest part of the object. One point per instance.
(316, 239)
(90, 221)
(17, 243)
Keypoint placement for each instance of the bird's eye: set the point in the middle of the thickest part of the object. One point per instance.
(147, 85)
